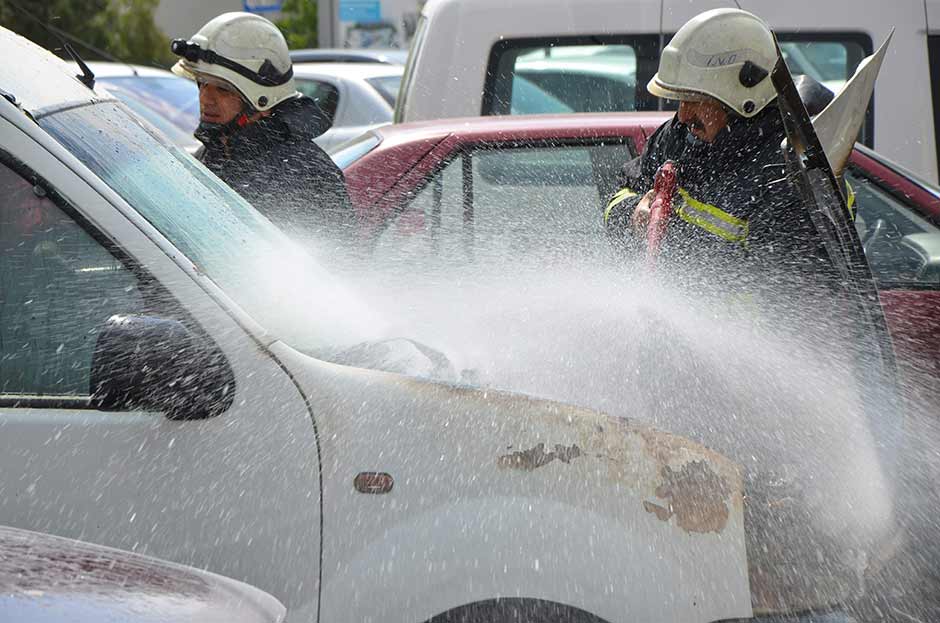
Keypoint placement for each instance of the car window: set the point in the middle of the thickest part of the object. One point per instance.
(58, 286)
(609, 73)
(529, 99)
(583, 77)
(323, 93)
(831, 63)
(491, 203)
(387, 87)
(902, 248)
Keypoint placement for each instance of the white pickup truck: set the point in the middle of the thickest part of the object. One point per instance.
(488, 57)
(157, 394)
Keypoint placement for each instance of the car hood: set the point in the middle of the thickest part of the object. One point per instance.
(453, 451)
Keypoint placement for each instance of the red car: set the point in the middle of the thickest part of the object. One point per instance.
(481, 177)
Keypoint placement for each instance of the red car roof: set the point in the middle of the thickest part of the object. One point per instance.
(501, 127)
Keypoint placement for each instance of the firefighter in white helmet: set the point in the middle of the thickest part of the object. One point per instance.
(258, 130)
(725, 140)
(740, 228)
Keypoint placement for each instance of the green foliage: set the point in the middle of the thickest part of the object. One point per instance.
(122, 28)
(299, 23)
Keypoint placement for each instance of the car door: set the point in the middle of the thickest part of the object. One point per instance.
(901, 237)
(533, 199)
(237, 494)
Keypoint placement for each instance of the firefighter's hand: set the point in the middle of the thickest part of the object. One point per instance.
(641, 214)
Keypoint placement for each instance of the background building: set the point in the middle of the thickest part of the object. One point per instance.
(368, 23)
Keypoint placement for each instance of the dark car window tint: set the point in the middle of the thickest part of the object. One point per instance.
(57, 288)
(323, 93)
(492, 204)
(902, 248)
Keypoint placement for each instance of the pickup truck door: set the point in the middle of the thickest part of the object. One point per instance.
(238, 494)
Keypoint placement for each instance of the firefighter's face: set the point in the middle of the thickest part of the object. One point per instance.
(704, 119)
(218, 103)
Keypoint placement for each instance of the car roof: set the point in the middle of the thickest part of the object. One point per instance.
(103, 69)
(38, 80)
(349, 55)
(354, 71)
(527, 126)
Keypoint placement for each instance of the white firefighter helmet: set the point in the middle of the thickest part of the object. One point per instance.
(726, 54)
(243, 50)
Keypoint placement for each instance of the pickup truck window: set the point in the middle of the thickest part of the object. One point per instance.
(609, 73)
(568, 74)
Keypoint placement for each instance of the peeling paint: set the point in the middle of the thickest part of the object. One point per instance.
(694, 495)
(536, 457)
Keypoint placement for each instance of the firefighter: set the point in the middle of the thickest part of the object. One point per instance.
(258, 131)
(741, 229)
(732, 197)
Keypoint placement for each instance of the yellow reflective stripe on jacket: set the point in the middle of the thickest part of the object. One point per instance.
(622, 194)
(712, 219)
(850, 199)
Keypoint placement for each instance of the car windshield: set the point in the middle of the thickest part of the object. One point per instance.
(218, 231)
(174, 99)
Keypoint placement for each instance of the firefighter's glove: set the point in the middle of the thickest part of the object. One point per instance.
(641, 215)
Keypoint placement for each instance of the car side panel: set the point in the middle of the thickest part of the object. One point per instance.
(237, 494)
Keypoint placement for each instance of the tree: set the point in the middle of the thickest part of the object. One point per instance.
(299, 23)
(136, 36)
(122, 29)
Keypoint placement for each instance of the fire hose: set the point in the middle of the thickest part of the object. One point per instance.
(664, 187)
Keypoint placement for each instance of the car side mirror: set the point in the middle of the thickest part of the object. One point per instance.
(157, 364)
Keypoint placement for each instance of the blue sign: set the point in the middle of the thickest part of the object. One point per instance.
(262, 6)
(363, 11)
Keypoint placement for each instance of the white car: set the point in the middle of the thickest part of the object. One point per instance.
(464, 62)
(355, 96)
(159, 393)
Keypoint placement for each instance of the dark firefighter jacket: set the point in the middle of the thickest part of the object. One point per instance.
(275, 165)
(734, 206)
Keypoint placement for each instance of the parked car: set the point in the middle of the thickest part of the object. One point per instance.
(556, 171)
(48, 579)
(167, 101)
(356, 97)
(826, 41)
(160, 389)
(349, 55)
